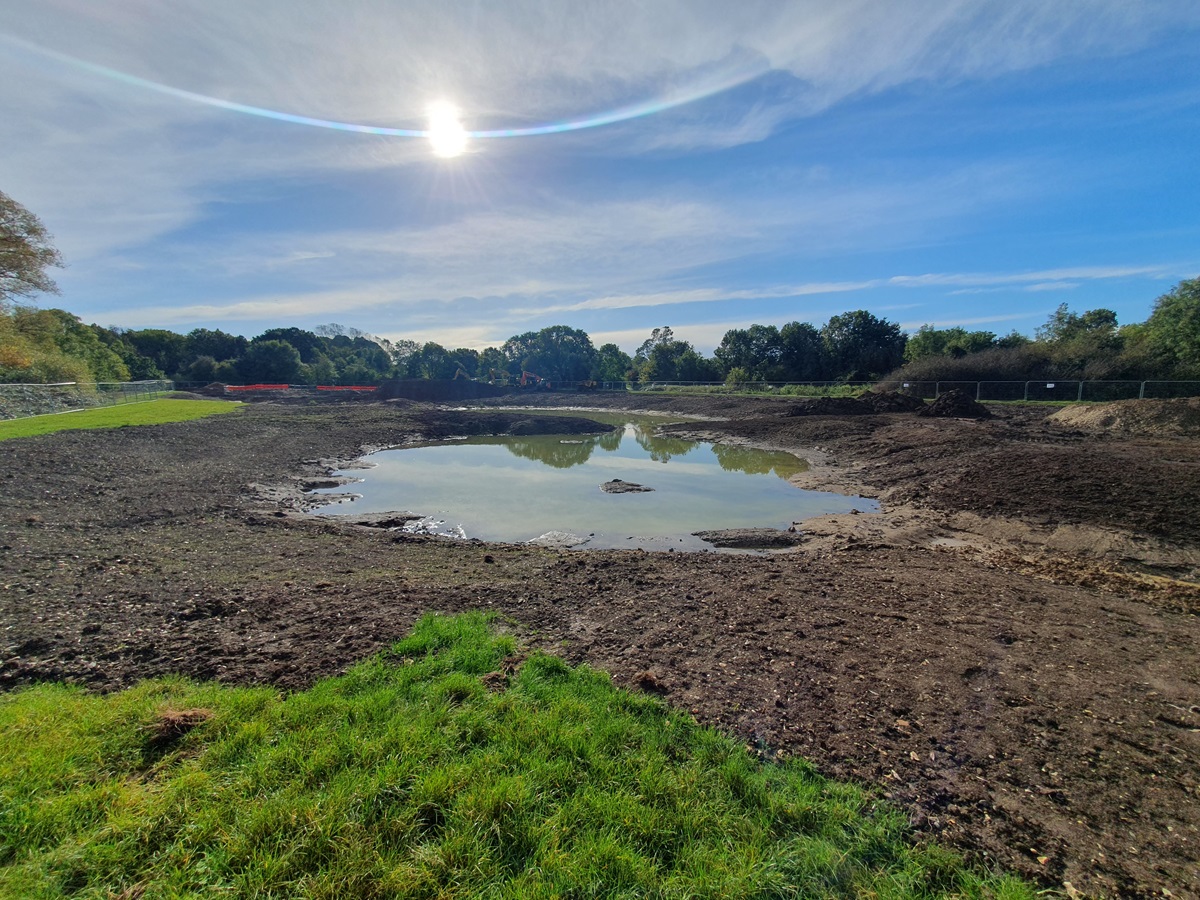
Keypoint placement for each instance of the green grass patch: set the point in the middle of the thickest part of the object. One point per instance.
(152, 412)
(436, 770)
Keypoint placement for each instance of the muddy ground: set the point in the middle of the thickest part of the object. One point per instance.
(1009, 650)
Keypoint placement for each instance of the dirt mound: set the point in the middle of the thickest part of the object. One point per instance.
(436, 391)
(890, 401)
(1150, 417)
(955, 404)
(866, 403)
(828, 406)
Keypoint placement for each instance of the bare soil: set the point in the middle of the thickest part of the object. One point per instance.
(1008, 651)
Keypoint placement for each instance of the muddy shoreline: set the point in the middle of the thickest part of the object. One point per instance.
(1009, 650)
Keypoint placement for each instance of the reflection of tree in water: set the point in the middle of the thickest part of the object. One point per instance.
(661, 449)
(757, 462)
(611, 440)
(551, 450)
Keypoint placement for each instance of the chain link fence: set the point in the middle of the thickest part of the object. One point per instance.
(19, 401)
(1069, 391)
(1051, 390)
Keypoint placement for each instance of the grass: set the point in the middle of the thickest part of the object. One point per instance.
(441, 769)
(152, 412)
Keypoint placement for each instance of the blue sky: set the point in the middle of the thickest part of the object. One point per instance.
(954, 162)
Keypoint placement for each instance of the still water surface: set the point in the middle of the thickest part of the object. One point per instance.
(520, 488)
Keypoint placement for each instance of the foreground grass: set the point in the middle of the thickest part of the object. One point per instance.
(414, 776)
(152, 412)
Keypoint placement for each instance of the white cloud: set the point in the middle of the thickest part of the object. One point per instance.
(1045, 279)
(539, 61)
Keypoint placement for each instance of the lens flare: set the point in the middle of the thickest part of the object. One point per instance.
(446, 133)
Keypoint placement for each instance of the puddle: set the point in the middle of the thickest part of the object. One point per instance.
(546, 488)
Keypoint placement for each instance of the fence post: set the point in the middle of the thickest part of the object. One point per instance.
(937, 389)
(1079, 398)
(1027, 391)
(1142, 391)
(977, 384)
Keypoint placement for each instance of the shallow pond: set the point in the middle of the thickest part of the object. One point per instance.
(516, 489)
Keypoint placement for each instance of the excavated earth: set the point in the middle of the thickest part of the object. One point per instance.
(1008, 651)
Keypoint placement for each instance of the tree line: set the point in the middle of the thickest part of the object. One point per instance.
(49, 345)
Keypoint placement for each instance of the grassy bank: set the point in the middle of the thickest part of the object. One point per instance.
(152, 412)
(446, 768)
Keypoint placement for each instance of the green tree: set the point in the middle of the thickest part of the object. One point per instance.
(323, 371)
(494, 365)
(672, 360)
(47, 345)
(802, 353)
(270, 362)
(25, 254)
(307, 344)
(658, 336)
(757, 351)
(1064, 325)
(612, 364)
(431, 361)
(166, 349)
(1172, 333)
(557, 353)
(202, 368)
(215, 343)
(861, 346)
(931, 341)
(1084, 346)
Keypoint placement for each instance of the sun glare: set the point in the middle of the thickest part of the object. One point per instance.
(446, 133)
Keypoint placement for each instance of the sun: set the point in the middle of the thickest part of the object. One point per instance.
(445, 132)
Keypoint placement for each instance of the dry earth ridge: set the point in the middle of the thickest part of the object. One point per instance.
(1009, 650)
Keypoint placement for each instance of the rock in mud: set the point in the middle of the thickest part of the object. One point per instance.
(560, 539)
(751, 538)
(379, 520)
(617, 486)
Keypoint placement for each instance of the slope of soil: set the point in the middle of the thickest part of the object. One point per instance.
(1009, 650)
(1142, 417)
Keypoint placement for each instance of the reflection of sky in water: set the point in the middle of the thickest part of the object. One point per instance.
(517, 488)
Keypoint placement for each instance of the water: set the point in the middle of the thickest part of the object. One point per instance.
(515, 489)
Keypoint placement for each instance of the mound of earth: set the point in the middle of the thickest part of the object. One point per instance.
(866, 403)
(890, 401)
(1149, 417)
(437, 391)
(955, 404)
(828, 406)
